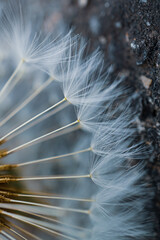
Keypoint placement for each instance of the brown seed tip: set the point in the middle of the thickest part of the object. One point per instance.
(7, 167)
(3, 153)
(4, 199)
(2, 141)
(6, 179)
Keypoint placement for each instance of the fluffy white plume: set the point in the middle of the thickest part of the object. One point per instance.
(27, 43)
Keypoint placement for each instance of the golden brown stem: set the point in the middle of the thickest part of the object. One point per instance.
(7, 167)
(2, 141)
(3, 153)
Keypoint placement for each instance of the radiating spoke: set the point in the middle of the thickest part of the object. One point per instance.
(2, 91)
(53, 158)
(41, 138)
(32, 119)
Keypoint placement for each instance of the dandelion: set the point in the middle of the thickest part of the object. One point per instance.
(68, 137)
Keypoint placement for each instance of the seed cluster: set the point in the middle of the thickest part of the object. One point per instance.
(70, 167)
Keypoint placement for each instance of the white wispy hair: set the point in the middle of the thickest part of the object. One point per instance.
(122, 209)
(84, 79)
(112, 172)
(125, 226)
(80, 76)
(117, 139)
(27, 43)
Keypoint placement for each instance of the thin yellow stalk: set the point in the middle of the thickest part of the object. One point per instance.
(49, 178)
(32, 124)
(14, 216)
(16, 80)
(15, 232)
(55, 220)
(55, 197)
(11, 77)
(26, 101)
(75, 210)
(41, 138)
(24, 231)
(7, 179)
(31, 119)
(5, 152)
(54, 157)
(8, 236)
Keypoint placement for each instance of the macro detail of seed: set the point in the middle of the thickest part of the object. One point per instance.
(71, 165)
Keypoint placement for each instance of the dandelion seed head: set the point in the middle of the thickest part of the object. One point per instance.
(71, 168)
